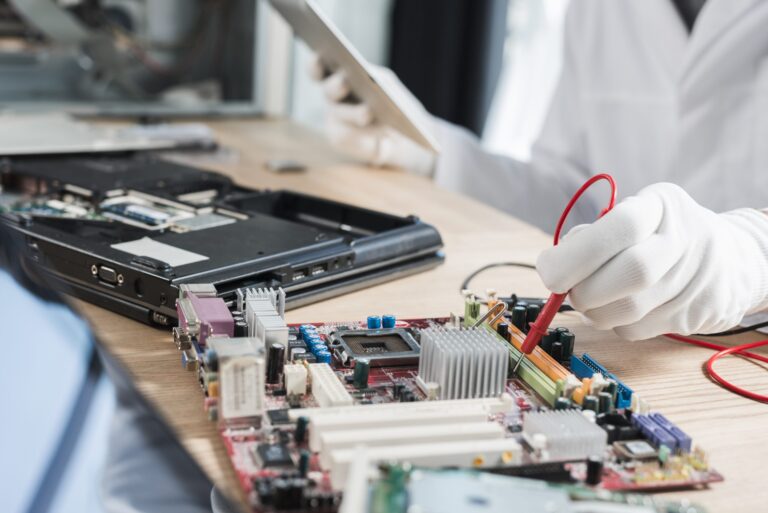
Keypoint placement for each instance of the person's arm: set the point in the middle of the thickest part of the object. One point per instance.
(534, 192)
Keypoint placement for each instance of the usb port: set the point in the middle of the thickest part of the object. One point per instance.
(299, 275)
(318, 269)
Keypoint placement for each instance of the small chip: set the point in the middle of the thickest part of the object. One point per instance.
(278, 417)
(635, 449)
(274, 455)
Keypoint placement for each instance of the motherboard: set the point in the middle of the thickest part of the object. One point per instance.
(371, 415)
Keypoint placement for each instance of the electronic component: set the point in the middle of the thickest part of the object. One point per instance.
(241, 376)
(594, 470)
(326, 387)
(635, 450)
(661, 431)
(585, 366)
(278, 417)
(202, 315)
(295, 376)
(374, 322)
(361, 372)
(275, 363)
(567, 434)
(388, 321)
(273, 455)
(379, 346)
(465, 363)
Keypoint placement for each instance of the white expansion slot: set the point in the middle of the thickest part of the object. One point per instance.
(471, 454)
(326, 387)
(417, 434)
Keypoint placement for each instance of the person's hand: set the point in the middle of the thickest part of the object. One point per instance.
(660, 263)
(352, 127)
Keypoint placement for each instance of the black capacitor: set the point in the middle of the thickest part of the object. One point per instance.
(605, 402)
(547, 340)
(561, 329)
(567, 339)
(594, 470)
(241, 329)
(361, 372)
(518, 317)
(300, 433)
(288, 494)
(304, 462)
(275, 362)
(503, 329)
(563, 403)
(557, 351)
(531, 314)
(613, 389)
(397, 391)
(591, 403)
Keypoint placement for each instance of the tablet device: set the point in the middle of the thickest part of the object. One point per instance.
(389, 107)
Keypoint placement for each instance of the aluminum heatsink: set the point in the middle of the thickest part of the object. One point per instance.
(466, 363)
(568, 434)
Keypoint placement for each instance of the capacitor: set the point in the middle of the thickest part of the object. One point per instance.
(531, 314)
(323, 356)
(590, 403)
(211, 360)
(557, 351)
(518, 317)
(397, 391)
(361, 372)
(388, 321)
(594, 470)
(374, 322)
(547, 340)
(563, 403)
(300, 433)
(567, 339)
(316, 346)
(275, 360)
(304, 462)
(613, 389)
(241, 329)
(503, 329)
(605, 402)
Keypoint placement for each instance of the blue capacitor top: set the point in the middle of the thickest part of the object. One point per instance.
(323, 356)
(388, 321)
(374, 322)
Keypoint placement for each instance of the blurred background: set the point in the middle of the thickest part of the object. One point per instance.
(488, 65)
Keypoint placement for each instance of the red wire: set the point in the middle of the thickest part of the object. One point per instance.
(740, 350)
(611, 202)
(722, 351)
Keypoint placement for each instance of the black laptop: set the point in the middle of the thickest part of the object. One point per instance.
(125, 231)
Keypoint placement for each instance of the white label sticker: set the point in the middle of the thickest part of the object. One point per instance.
(171, 255)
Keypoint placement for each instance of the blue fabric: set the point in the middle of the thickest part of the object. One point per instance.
(46, 354)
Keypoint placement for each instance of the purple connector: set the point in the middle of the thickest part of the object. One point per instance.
(215, 318)
(655, 433)
(683, 440)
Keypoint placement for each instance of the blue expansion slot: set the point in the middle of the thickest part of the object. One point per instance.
(586, 366)
(683, 440)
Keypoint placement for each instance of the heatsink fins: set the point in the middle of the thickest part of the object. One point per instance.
(466, 363)
(565, 435)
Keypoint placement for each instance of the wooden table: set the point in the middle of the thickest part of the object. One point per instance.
(666, 374)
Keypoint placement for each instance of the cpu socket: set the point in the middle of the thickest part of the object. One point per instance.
(382, 347)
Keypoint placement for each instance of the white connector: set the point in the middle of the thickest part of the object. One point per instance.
(326, 387)
(295, 379)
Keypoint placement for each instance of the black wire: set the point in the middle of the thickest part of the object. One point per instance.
(468, 280)
(736, 331)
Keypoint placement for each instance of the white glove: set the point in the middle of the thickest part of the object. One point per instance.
(352, 128)
(660, 263)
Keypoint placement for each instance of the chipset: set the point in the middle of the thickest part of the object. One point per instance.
(273, 455)
(382, 347)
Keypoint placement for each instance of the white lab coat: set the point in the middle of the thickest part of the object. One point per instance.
(640, 98)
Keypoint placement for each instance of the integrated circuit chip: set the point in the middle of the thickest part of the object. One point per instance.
(273, 455)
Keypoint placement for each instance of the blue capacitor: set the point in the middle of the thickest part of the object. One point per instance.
(315, 347)
(374, 322)
(388, 321)
(323, 356)
(312, 338)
